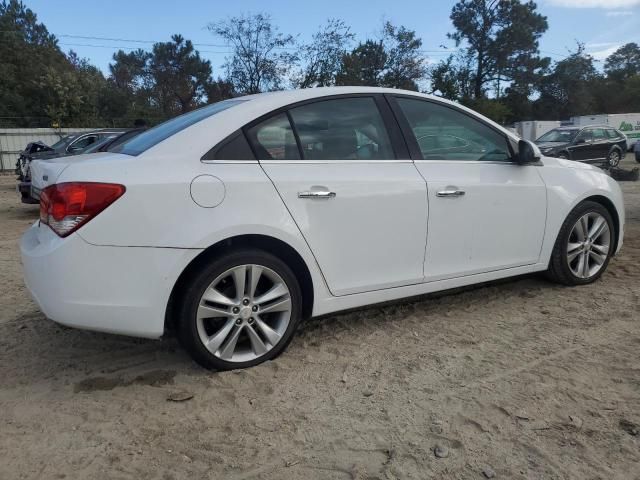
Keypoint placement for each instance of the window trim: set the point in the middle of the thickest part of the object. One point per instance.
(394, 133)
(210, 155)
(584, 130)
(412, 142)
(82, 137)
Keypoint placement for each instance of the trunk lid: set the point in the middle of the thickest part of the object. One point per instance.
(45, 172)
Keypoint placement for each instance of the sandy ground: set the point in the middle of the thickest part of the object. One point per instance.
(523, 377)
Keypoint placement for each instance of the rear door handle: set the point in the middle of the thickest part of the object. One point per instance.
(317, 194)
(450, 193)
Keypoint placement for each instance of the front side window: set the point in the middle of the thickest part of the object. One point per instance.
(444, 133)
(273, 139)
(342, 129)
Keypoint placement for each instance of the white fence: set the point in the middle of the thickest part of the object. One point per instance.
(13, 141)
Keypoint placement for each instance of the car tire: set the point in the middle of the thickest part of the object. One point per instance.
(614, 157)
(571, 250)
(214, 323)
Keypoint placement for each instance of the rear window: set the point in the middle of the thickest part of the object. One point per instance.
(157, 134)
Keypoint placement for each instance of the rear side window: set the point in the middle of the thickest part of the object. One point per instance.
(157, 134)
(585, 136)
(444, 133)
(611, 133)
(273, 139)
(342, 129)
(598, 134)
(233, 148)
(82, 143)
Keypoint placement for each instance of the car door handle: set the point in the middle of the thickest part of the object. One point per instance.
(450, 193)
(317, 194)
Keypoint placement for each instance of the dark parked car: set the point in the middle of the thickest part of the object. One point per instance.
(637, 150)
(599, 145)
(69, 145)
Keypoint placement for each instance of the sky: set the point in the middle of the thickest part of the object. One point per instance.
(602, 25)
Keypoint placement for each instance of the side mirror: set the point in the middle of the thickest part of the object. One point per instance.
(581, 140)
(527, 153)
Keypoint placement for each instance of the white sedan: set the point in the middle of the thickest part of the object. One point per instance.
(232, 223)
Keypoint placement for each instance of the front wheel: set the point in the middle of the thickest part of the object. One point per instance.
(240, 310)
(584, 245)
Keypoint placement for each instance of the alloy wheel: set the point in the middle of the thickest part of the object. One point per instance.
(244, 313)
(589, 245)
(614, 158)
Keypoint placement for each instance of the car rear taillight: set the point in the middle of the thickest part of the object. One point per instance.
(65, 207)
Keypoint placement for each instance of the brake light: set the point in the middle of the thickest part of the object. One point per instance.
(65, 207)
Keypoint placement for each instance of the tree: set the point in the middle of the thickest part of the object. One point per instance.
(323, 55)
(259, 61)
(179, 75)
(364, 65)
(624, 62)
(219, 89)
(129, 70)
(501, 37)
(27, 49)
(568, 90)
(451, 79)
(393, 61)
(405, 65)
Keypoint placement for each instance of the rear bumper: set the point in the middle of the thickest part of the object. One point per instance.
(122, 290)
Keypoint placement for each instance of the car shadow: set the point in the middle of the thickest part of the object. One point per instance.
(41, 350)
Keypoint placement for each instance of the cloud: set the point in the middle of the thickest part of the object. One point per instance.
(608, 4)
(603, 54)
(619, 13)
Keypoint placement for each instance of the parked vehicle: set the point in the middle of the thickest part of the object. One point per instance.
(68, 145)
(599, 145)
(627, 123)
(232, 223)
(40, 180)
(637, 152)
(533, 129)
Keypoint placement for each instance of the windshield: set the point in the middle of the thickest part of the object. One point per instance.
(564, 136)
(157, 134)
(63, 141)
(94, 147)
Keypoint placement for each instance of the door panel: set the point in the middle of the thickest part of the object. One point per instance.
(371, 234)
(362, 211)
(600, 143)
(498, 223)
(485, 212)
(585, 150)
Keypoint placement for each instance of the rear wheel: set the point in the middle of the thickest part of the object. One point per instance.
(584, 245)
(614, 157)
(240, 310)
